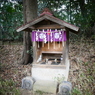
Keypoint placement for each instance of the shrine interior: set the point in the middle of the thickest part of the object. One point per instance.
(49, 53)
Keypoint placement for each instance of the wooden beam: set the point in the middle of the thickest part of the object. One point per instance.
(66, 49)
(27, 30)
(34, 52)
(52, 52)
(58, 21)
(51, 18)
(30, 24)
(54, 26)
(64, 54)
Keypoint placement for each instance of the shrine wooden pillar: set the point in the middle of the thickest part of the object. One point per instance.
(66, 49)
(34, 52)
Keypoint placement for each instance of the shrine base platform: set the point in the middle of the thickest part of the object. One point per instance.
(45, 86)
(50, 72)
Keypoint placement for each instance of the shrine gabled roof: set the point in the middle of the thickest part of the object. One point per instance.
(48, 16)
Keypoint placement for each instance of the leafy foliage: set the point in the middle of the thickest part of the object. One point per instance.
(10, 19)
(8, 87)
(78, 12)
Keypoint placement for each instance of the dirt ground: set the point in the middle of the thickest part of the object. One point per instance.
(82, 68)
(10, 56)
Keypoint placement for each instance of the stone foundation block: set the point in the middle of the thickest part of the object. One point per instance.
(45, 86)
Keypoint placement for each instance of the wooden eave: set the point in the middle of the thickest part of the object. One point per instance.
(61, 24)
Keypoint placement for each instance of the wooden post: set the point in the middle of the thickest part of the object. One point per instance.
(66, 49)
(34, 52)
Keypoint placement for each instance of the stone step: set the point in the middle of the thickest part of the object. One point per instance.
(45, 86)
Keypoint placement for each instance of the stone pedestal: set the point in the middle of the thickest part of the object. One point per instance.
(45, 86)
(50, 72)
(47, 78)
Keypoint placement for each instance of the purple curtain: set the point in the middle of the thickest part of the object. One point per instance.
(48, 36)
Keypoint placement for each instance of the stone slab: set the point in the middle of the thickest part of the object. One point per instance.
(44, 73)
(45, 86)
(26, 92)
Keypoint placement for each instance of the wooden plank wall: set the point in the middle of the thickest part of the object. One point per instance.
(54, 47)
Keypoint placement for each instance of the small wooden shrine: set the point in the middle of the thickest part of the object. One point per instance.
(50, 38)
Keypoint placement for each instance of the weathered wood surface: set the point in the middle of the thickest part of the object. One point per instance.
(61, 22)
(29, 24)
(52, 49)
(51, 18)
(53, 26)
(51, 52)
(34, 52)
(66, 49)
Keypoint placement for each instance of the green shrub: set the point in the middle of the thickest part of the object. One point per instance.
(76, 91)
(8, 87)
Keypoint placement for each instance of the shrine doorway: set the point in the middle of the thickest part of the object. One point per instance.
(49, 43)
(50, 50)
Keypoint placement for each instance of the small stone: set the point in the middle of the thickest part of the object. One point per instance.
(65, 88)
(27, 83)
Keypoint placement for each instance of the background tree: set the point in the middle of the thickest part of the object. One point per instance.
(30, 12)
(10, 18)
(78, 12)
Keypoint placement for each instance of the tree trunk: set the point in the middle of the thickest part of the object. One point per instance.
(30, 12)
(82, 7)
